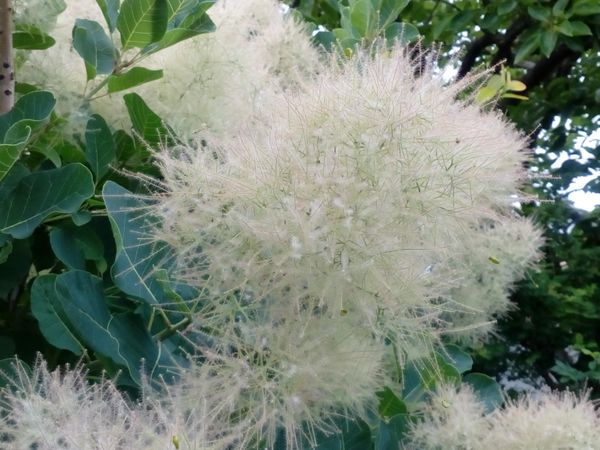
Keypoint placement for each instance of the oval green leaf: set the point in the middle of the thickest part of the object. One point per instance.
(132, 78)
(94, 46)
(46, 308)
(40, 194)
(100, 147)
(486, 389)
(142, 22)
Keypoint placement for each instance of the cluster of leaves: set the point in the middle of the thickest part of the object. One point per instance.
(361, 22)
(552, 48)
(75, 273)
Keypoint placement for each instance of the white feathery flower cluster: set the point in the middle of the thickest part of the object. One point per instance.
(40, 14)
(218, 81)
(291, 378)
(454, 419)
(214, 81)
(484, 265)
(449, 421)
(350, 199)
(59, 68)
(368, 198)
(60, 410)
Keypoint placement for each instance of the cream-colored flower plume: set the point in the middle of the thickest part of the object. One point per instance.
(454, 419)
(367, 195)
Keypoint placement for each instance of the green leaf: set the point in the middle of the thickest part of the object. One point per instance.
(579, 28)
(516, 86)
(390, 404)
(41, 194)
(80, 218)
(35, 107)
(565, 27)
(585, 8)
(146, 122)
(142, 22)
(486, 389)
(122, 338)
(49, 153)
(548, 42)
(110, 11)
(389, 10)
(324, 39)
(363, 18)
(528, 45)
(50, 315)
(100, 147)
(11, 151)
(390, 434)
(354, 435)
(515, 96)
(138, 258)
(132, 78)
(94, 46)
(505, 7)
(31, 38)
(457, 358)
(539, 13)
(187, 18)
(559, 7)
(402, 32)
(76, 245)
(485, 94)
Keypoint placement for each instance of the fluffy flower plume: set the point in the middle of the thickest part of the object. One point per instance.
(214, 81)
(367, 197)
(218, 81)
(329, 213)
(40, 14)
(356, 196)
(59, 68)
(60, 410)
(454, 419)
(291, 377)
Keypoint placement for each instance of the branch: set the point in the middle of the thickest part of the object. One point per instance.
(561, 58)
(7, 75)
(474, 50)
(503, 41)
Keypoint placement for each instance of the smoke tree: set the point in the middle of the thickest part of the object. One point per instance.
(264, 244)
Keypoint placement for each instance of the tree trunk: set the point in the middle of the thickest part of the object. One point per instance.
(7, 74)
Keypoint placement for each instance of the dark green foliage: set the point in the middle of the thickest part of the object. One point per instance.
(75, 282)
